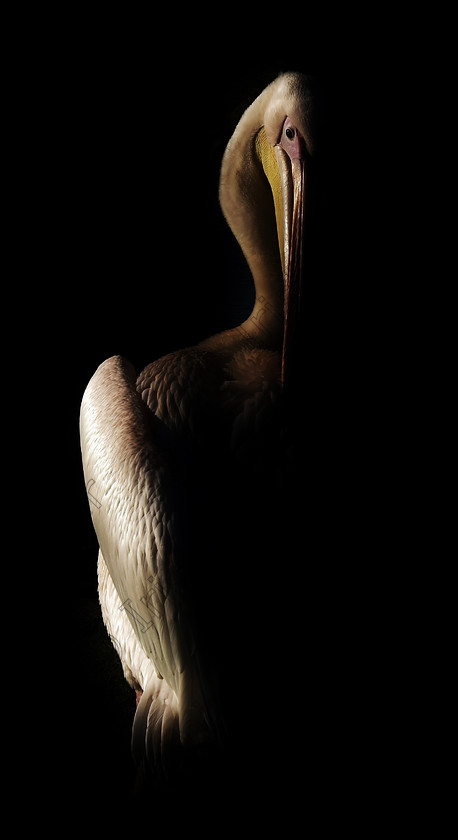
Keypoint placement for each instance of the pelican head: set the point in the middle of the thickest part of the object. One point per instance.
(263, 197)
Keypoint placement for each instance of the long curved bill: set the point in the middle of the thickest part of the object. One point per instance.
(293, 278)
(285, 167)
(291, 153)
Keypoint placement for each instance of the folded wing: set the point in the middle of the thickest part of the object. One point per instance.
(132, 486)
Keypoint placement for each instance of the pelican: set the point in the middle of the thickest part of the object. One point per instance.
(185, 467)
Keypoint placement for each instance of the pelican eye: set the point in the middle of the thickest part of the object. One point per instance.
(289, 133)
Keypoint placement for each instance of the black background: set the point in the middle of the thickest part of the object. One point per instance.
(119, 142)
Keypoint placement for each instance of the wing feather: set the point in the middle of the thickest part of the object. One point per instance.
(127, 473)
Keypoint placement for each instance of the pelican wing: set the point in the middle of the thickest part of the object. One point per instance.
(132, 486)
(155, 733)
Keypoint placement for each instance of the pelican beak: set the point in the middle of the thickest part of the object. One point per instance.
(291, 155)
(284, 165)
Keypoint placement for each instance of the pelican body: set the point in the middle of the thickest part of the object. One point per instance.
(187, 467)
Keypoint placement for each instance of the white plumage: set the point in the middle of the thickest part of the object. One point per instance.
(185, 465)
